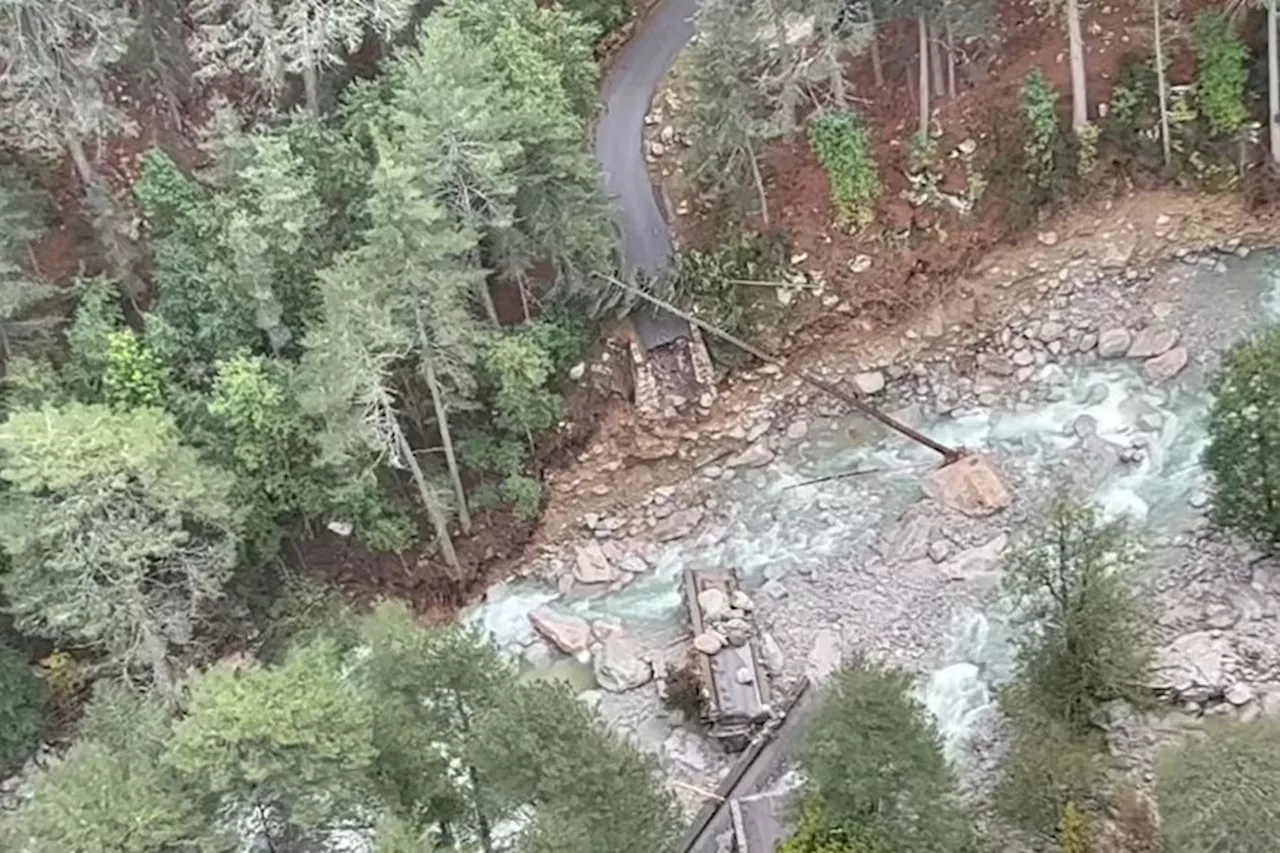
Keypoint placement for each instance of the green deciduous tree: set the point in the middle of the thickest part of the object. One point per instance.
(133, 376)
(104, 799)
(1084, 642)
(1050, 767)
(1219, 792)
(286, 748)
(112, 792)
(260, 434)
(873, 761)
(1244, 430)
(22, 698)
(432, 686)
(597, 793)
(117, 533)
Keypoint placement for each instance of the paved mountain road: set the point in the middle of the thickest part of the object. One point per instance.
(627, 92)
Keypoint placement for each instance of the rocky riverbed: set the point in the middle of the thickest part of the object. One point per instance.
(1099, 379)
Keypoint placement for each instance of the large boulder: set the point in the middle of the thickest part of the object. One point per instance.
(591, 566)
(1163, 367)
(1114, 343)
(970, 485)
(714, 604)
(1194, 666)
(569, 634)
(619, 666)
(1153, 341)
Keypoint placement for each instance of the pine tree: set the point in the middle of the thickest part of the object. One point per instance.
(267, 40)
(57, 56)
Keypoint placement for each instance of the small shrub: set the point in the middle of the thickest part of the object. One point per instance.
(684, 691)
(1040, 105)
(64, 675)
(1218, 793)
(21, 708)
(1244, 429)
(1074, 832)
(709, 283)
(1087, 160)
(1049, 768)
(817, 833)
(1221, 74)
(843, 146)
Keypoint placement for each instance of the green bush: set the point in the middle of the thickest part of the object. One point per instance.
(1219, 792)
(1074, 832)
(1082, 642)
(1040, 106)
(1221, 74)
(1244, 430)
(817, 833)
(1050, 768)
(843, 146)
(22, 701)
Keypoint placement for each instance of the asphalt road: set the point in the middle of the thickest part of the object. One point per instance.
(627, 92)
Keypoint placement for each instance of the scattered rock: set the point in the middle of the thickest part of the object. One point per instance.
(1024, 358)
(1221, 616)
(974, 562)
(860, 264)
(1051, 331)
(678, 525)
(824, 655)
(341, 528)
(1114, 343)
(709, 642)
(939, 550)
(909, 539)
(591, 566)
(1194, 665)
(1048, 238)
(1084, 426)
(736, 631)
(996, 365)
(771, 655)
(567, 633)
(603, 629)
(1087, 342)
(970, 485)
(797, 430)
(1153, 341)
(1238, 694)
(869, 383)
(578, 371)
(714, 604)
(775, 590)
(619, 667)
(745, 675)
(1164, 367)
(741, 601)
(755, 456)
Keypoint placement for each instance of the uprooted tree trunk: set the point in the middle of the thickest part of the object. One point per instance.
(1079, 96)
(923, 82)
